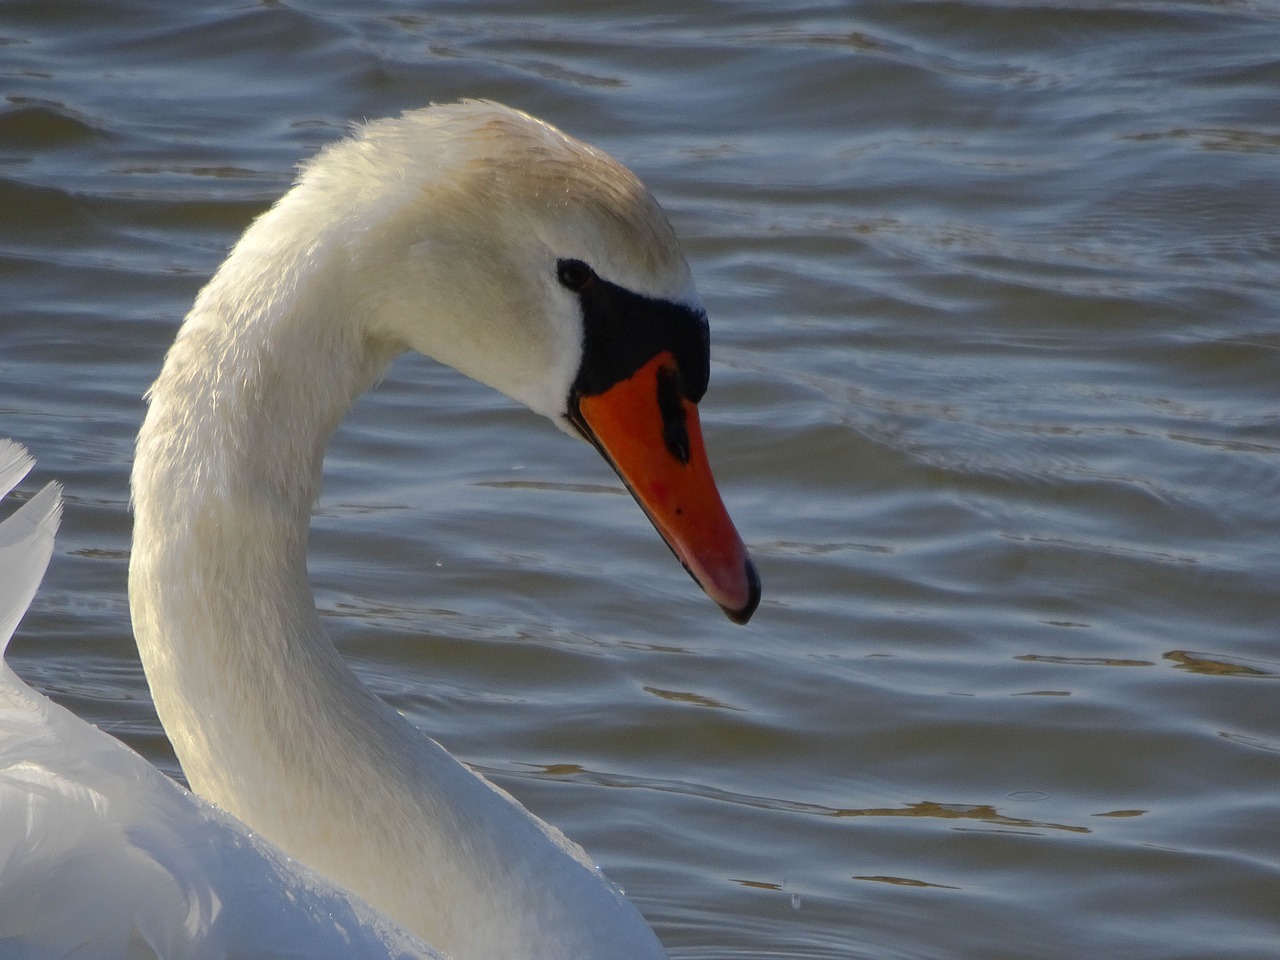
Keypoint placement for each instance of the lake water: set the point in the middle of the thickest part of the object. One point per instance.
(995, 401)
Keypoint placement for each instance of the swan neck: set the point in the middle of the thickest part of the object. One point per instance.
(227, 469)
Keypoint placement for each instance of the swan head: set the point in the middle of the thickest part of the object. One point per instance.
(536, 264)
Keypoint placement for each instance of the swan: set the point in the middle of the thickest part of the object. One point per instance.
(103, 856)
(490, 240)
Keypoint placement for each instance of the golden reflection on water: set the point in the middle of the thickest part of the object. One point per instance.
(924, 809)
(906, 882)
(697, 699)
(1216, 666)
(954, 811)
(1085, 661)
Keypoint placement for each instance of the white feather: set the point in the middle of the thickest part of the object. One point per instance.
(102, 856)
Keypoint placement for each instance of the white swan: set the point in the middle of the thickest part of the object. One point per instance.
(536, 264)
(103, 856)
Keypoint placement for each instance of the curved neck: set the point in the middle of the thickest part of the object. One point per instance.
(227, 468)
(266, 719)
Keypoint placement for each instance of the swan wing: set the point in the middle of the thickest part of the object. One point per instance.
(26, 539)
(101, 855)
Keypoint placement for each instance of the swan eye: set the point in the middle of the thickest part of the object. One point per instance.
(574, 275)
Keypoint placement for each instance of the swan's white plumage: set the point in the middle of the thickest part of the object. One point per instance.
(438, 231)
(102, 856)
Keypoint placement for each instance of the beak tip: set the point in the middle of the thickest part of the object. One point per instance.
(740, 615)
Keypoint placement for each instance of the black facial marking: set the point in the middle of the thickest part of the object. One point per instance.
(675, 431)
(623, 331)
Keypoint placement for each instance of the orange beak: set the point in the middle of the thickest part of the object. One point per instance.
(650, 434)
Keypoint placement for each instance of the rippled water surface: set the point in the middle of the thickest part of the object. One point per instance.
(995, 301)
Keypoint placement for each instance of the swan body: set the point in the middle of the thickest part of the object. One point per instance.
(495, 243)
(103, 856)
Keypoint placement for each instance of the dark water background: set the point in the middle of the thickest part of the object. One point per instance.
(995, 293)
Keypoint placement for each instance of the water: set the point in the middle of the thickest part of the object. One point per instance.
(994, 291)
